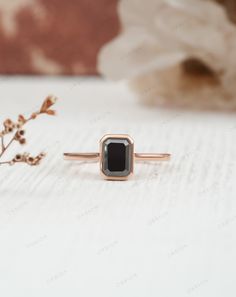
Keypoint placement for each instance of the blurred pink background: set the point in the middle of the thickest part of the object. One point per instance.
(54, 37)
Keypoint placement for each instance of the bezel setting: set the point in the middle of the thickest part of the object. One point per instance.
(115, 141)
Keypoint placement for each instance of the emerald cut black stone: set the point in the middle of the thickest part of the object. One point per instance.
(117, 157)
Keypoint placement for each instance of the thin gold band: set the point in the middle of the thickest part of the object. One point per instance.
(96, 157)
(152, 157)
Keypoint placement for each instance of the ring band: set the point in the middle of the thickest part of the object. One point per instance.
(116, 156)
(95, 157)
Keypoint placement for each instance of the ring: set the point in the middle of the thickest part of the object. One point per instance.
(116, 156)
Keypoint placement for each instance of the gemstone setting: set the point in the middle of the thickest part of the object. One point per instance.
(117, 156)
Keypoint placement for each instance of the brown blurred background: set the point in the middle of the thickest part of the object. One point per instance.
(54, 37)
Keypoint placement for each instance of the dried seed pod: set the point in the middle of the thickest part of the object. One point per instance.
(18, 158)
(34, 116)
(30, 160)
(22, 141)
(21, 119)
(51, 112)
(22, 132)
(17, 136)
(48, 102)
(9, 125)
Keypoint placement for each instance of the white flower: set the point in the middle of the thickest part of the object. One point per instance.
(159, 35)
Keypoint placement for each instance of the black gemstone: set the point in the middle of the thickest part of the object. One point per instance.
(117, 157)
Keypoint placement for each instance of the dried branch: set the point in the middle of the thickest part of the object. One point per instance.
(19, 134)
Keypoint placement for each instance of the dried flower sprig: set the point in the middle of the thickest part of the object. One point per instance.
(10, 126)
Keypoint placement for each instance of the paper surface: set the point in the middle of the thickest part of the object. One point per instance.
(169, 231)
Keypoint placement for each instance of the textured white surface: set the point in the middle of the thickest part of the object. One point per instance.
(168, 232)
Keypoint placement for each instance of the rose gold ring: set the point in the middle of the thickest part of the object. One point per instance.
(116, 156)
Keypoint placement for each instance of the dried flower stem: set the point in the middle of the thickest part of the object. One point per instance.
(16, 128)
(4, 148)
(2, 144)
